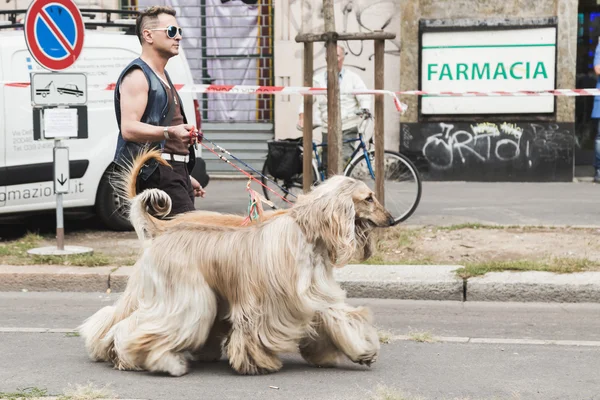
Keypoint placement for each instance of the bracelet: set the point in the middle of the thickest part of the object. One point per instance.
(166, 132)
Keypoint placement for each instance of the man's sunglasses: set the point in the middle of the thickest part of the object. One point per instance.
(172, 31)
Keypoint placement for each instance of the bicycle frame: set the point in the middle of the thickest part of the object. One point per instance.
(361, 146)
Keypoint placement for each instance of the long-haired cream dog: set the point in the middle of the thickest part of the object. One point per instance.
(275, 280)
(94, 329)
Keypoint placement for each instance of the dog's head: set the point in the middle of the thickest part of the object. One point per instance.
(341, 213)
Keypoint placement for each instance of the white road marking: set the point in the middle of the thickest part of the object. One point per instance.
(437, 339)
(538, 342)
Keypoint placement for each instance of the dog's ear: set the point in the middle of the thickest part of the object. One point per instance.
(329, 216)
(364, 240)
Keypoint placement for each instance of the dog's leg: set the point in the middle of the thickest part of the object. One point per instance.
(247, 355)
(95, 328)
(155, 337)
(318, 349)
(212, 349)
(351, 331)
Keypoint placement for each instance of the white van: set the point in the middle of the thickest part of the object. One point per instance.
(26, 169)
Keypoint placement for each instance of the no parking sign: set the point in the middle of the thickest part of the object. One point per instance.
(54, 33)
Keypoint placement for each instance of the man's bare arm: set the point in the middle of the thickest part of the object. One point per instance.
(597, 69)
(134, 98)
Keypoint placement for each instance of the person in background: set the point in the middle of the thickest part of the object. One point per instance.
(596, 114)
(349, 104)
(150, 113)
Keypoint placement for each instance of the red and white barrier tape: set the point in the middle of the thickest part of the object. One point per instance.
(246, 89)
(499, 93)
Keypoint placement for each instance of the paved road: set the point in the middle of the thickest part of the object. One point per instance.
(442, 204)
(447, 203)
(477, 357)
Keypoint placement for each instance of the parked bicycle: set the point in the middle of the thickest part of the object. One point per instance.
(402, 183)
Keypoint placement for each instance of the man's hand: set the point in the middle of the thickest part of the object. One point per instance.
(198, 190)
(182, 133)
(300, 123)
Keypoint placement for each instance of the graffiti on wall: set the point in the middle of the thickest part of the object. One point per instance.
(476, 149)
(356, 16)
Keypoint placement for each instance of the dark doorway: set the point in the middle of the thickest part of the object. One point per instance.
(588, 32)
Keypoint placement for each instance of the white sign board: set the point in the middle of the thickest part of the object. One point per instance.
(60, 123)
(490, 60)
(48, 89)
(61, 170)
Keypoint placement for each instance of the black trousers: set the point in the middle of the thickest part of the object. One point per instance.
(176, 183)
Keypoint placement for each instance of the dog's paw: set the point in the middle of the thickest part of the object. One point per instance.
(173, 364)
(250, 367)
(367, 358)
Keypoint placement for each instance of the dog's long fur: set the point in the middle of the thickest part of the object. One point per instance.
(159, 202)
(274, 279)
(147, 227)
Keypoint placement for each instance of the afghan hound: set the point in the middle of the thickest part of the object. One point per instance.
(147, 227)
(274, 282)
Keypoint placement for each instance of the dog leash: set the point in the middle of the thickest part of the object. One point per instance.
(199, 139)
(222, 150)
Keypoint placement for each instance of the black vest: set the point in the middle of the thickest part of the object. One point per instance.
(155, 114)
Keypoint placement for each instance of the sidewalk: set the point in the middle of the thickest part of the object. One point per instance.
(411, 282)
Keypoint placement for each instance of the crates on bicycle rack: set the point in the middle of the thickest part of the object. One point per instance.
(284, 158)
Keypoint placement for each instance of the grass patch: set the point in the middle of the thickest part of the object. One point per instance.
(385, 336)
(386, 393)
(19, 247)
(87, 392)
(83, 260)
(421, 337)
(15, 253)
(557, 265)
(469, 226)
(26, 393)
(72, 334)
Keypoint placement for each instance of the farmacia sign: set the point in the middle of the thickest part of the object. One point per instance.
(490, 60)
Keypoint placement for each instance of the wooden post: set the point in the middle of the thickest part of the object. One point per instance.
(334, 118)
(307, 175)
(379, 123)
(330, 37)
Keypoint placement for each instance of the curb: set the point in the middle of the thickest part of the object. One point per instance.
(402, 282)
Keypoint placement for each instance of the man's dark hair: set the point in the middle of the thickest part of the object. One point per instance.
(149, 18)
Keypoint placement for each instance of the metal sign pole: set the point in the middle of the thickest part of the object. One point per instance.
(60, 227)
(59, 100)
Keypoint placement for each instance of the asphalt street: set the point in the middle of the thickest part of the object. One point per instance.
(483, 351)
(448, 203)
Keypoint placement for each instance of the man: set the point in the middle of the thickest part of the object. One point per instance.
(149, 112)
(596, 114)
(349, 105)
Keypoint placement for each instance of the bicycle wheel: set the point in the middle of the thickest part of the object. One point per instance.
(402, 183)
(291, 188)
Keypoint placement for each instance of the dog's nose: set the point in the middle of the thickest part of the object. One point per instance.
(392, 220)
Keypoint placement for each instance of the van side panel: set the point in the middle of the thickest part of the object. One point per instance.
(2, 132)
(104, 56)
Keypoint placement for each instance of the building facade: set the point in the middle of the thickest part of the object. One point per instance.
(440, 45)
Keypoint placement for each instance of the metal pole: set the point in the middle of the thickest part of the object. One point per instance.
(60, 227)
(379, 126)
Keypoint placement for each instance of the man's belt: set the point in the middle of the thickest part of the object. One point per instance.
(175, 157)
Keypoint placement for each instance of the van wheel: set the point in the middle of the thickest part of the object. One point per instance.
(110, 207)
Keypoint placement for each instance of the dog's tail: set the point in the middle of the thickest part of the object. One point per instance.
(145, 206)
